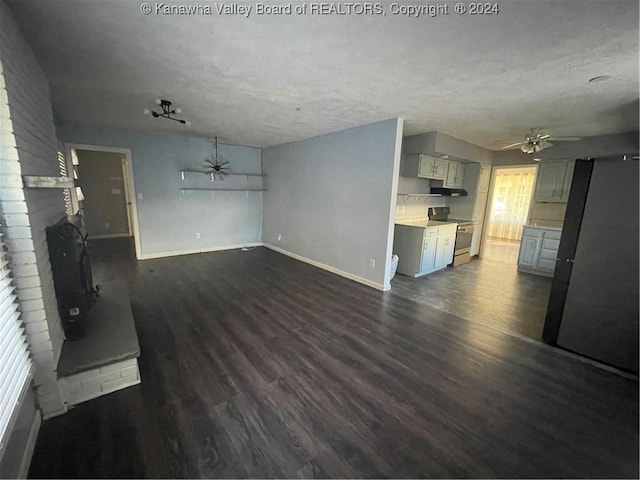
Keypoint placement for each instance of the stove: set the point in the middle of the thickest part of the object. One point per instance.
(464, 234)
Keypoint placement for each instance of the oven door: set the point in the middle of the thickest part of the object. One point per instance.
(463, 239)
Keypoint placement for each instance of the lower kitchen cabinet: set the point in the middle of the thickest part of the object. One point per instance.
(444, 250)
(423, 250)
(476, 239)
(539, 250)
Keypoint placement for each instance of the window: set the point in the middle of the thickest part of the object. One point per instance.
(511, 198)
(15, 364)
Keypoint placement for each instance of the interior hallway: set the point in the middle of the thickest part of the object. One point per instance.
(256, 365)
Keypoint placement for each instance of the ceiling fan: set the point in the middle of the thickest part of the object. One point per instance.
(535, 140)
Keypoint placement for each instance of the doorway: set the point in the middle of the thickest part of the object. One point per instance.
(512, 190)
(105, 194)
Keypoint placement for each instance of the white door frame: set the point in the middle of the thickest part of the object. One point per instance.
(129, 184)
(492, 185)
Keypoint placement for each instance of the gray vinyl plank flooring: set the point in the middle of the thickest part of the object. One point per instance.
(255, 365)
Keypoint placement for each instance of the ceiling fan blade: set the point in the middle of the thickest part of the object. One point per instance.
(564, 139)
(513, 145)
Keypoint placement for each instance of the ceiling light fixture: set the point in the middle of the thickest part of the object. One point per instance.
(167, 111)
(216, 164)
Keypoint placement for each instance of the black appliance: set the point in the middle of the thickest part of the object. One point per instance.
(72, 276)
(593, 303)
(464, 234)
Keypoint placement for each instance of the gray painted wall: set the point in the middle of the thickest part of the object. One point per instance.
(507, 158)
(332, 198)
(169, 218)
(438, 144)
(598, 146)
(105, 207)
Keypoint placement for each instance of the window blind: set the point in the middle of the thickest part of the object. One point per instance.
(15, 363)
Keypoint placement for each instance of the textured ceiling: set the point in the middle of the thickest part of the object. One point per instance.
(266, 80)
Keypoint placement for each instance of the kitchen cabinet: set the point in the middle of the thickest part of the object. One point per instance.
(476, 239)
(427, 263)
(424, 166)
(484, 178)
(553, 181)
(473, 207)
(455, 175)
(480, 207)
(444, 250)
(423, 249)
(539, 250)
(568, 178)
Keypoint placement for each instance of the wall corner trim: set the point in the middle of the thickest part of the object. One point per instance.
(328, 268)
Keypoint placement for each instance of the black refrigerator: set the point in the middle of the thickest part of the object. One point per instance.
(593, 303)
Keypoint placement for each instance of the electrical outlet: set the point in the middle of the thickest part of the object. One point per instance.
(107, 225)
(279, 236)
(372, 263)
(197, 235)
(140, 196)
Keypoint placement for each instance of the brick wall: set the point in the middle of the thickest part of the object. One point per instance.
(28, 146)
(100, 381)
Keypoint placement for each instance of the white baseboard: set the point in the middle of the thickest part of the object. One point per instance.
(175, 253)
(109, 235)
(25, 463)
(329, 268)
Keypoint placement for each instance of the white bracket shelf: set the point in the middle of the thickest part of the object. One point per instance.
(418, 196)
(226, 189)
(209, 172)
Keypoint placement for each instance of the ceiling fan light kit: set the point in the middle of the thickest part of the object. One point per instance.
(168, 111)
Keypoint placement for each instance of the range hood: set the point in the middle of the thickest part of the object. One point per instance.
(449, 192)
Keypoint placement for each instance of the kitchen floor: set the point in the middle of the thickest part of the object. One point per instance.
(502, 250)
(489, 291)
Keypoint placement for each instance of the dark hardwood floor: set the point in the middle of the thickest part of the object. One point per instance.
(256, 365)
(489, 291)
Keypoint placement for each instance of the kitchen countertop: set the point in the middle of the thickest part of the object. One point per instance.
(545, 227)
(421, 223)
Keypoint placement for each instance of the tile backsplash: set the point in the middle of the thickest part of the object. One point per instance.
(551, 214)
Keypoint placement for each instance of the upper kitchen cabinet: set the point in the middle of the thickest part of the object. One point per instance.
(553, 181)
(424, 166)
(455, 175)
(484, 178)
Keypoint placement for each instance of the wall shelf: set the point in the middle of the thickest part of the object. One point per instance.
(208, 172)
(226, 189)
(234, 187)
(418, 195)
(36, 181)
